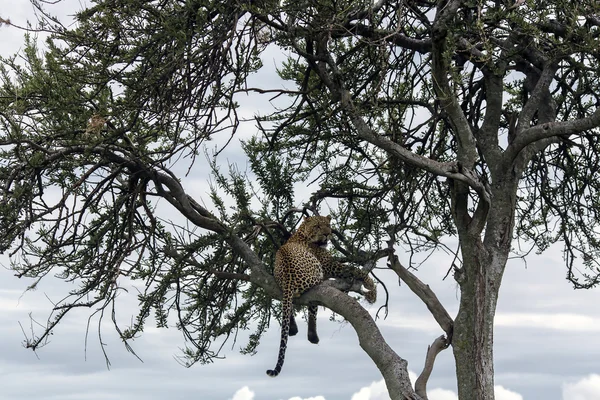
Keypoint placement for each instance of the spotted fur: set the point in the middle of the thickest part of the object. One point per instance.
(301, 263)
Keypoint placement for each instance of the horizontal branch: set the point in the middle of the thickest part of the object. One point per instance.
(375, 34)
(551, 129)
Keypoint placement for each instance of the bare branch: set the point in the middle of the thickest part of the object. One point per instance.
(447, 169)
(439, 344)
(425, 293)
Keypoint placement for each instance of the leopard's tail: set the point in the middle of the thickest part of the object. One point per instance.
(286, 312)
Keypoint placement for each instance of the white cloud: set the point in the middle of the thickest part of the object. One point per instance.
(375, 391)
(558, 321)
(442, 394)
(501, 393)
(244, 394)
(378, 391)
(587, 388)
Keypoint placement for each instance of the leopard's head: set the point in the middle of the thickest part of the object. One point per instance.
(316, 230)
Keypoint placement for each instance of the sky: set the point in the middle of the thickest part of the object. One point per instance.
(546, 334)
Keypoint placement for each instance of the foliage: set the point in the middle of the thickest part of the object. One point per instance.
(100, 128)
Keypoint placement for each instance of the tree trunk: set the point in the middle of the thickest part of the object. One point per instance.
(472, 341)
(479, 279)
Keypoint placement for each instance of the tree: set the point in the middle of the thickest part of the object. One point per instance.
(412, 120)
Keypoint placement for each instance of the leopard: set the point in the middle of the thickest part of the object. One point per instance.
(302, 263)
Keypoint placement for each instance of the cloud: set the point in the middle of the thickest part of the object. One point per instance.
(442, 394)
(587, 388)
(375, 391)
(378, 391)
(501, 393)
(244, 394)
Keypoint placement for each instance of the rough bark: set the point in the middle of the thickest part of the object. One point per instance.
(473, 326)
(484, 262)
(392, 367)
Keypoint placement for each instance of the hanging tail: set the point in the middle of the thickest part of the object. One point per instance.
(286, 312)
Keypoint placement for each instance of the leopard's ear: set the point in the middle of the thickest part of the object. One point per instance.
(328, 217)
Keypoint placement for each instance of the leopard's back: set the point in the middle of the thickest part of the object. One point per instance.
(296, 268)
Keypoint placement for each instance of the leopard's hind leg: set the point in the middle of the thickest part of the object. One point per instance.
(312, 323)
(293, 326)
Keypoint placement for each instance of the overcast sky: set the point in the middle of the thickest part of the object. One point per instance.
(546, 336)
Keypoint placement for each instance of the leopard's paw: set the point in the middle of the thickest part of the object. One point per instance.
(371, 296)
(371, 293)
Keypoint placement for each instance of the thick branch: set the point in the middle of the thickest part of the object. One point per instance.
(375, 34)
(450, 170)
(393, 367)
(538, 95)
(487, 137)
(551, 129)
(184, 203)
